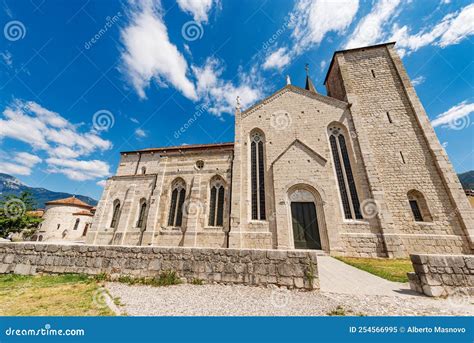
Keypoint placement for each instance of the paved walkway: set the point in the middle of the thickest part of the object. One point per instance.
(338, 277)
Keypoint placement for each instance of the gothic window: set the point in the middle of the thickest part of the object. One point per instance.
(141, 216)
(418, 206)
(115, 214)
(76, 224)
(344, 174)
(178, 194)
(216, 204)
(199, 164)
(257, 169)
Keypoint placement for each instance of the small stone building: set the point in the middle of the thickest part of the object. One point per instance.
(66, 219)
(356, 172)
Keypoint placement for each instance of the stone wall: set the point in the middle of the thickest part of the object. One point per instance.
(293, 269)
(442, 275)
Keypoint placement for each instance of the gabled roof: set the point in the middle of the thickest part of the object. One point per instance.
(308, 149)
(73, 201)
(291, 88)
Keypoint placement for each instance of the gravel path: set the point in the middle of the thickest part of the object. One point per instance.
(223, 300)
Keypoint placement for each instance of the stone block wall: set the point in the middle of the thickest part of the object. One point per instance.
(443, 275)
(293, 269)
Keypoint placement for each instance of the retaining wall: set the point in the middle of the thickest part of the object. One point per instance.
(442, 275)
(290, 268)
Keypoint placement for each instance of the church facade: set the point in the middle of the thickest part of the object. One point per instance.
(359, 172)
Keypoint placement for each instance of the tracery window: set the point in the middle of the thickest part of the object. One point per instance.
(141, 216)
(257, 166)
(115, 214)
(344, 174)
(216, 203)
(178, 194)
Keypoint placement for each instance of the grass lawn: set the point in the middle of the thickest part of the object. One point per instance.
(390, 269)
(51, 295)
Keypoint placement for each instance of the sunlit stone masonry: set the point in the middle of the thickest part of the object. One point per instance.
(359, 172)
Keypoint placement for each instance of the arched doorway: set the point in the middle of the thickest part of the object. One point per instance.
(307, 218)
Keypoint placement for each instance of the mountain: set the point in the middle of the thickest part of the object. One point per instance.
(467, 179)
(11, 185)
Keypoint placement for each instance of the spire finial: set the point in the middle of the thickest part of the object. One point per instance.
(288, 80)
(237, 106)
(309, 84)
(306, 67)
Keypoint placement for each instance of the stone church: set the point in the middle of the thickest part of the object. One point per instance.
(359, 172)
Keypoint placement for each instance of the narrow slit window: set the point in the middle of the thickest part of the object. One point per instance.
(373, 73)
(389, 118)
(403, 157)
(416, 211)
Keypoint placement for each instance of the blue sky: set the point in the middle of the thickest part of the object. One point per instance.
(81, 81)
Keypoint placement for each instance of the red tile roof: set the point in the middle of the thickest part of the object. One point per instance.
(69, 201)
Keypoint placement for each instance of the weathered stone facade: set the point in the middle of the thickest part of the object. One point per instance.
(65, 220)
(293, 269)
(365, 157)
(443, 275)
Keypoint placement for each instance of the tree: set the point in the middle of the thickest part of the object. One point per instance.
(14, 215)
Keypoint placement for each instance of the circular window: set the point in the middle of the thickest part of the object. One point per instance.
(199, 164)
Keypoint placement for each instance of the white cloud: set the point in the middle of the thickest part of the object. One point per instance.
(78, 170)
(21, 164)
(27, 159)
(452, 29)
(456, 117)
(199, 9)
(149, 55)
(369, 30)
(101, 183)
(314, 19)
(50, 133)
(15, 169)
(277, 59)
(220, 95)
(140, 133)
(418, 80)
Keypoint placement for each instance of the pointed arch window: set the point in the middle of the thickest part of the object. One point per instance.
(178, 194)
(257, 166)
(419, 207)
(141, 215)
(344, 174)
(115, 214)
(216, 205)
